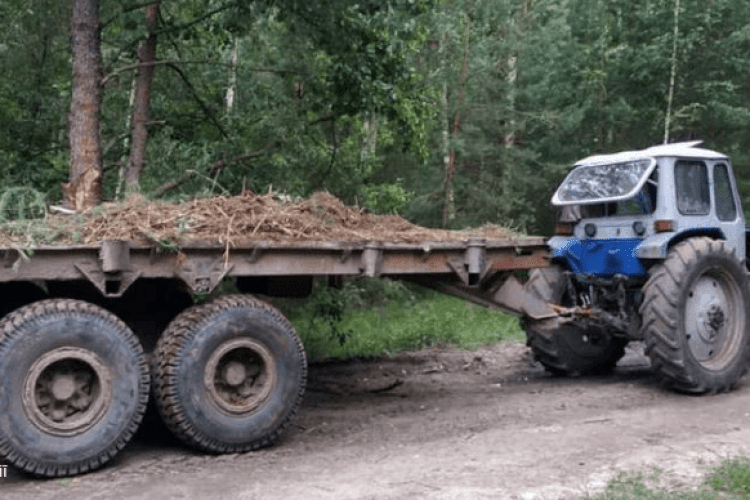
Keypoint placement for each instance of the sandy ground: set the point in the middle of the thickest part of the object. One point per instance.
(441, 424)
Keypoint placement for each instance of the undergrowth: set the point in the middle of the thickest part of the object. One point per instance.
(376, 317)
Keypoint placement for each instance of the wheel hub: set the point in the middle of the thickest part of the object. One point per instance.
(710, 319)
(234, 373)
(240, 375)
(715, 317)
(63, 387)
(708, 313)
(67, 390)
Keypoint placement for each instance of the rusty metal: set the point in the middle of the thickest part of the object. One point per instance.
(240, 376)
(575, 312)
(204, 273)
(66, 391)
(457, 266)
(115, 256)
(112, 284)
(372, 259)
(526, 258)
(471, 295)
(113, 266)
(512, 296)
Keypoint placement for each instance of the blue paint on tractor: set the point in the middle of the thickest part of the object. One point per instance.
(602, 258)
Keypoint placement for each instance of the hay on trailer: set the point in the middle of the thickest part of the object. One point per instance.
(239, 220)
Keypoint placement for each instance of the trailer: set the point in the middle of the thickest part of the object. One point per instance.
(91, 332)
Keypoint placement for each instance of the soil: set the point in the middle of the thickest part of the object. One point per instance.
(441, 424)
(231, 221)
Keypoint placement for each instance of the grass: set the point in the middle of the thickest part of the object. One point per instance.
(730, 480)
(370, 318)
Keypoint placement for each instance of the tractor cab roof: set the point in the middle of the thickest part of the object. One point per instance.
(679, 149)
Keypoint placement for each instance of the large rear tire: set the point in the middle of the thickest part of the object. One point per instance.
(567, 348)
(696, 314)
(74, 384)
(229, 375)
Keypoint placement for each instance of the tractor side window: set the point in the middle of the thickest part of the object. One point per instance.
(725, 207)
(691, 183)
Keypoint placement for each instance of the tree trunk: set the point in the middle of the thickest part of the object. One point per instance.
(84, 189)
(672, 72)
(122, 164)
(146, 59)
(449, 207)
(232, 87)
(370, 125)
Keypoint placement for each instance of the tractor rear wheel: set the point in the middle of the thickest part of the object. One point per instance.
(695, 313)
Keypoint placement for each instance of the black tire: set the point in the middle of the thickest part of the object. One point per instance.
(74, 384)
(695, 317)
(567, 348)
(201, 383)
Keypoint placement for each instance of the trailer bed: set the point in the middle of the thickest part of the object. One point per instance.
(112, 266)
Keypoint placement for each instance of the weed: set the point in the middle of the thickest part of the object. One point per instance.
(733, 475)
(730, 480)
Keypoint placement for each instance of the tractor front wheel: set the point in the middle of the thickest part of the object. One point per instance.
(567, 348)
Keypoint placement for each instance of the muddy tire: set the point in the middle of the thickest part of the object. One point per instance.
(695, 313)
(229, 375)
(567, 348)
(74, 387)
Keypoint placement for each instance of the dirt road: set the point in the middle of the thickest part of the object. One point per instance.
(441, 424)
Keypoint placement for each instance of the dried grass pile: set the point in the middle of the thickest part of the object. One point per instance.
(241, 220)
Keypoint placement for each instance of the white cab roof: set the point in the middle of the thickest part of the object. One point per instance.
(683, 149)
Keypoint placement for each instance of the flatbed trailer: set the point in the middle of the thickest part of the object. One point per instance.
(91, 332)
(113, 266)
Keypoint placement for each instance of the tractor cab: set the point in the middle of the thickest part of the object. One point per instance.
(619, 213)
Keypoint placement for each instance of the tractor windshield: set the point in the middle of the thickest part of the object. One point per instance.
(589, 184)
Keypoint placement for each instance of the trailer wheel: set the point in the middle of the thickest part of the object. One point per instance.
(695, 317)
(74, 384)
(567, 348)
(229, 375)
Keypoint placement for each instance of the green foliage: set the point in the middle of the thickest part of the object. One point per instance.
(21, 203)
(386, 198)
(376, 317)
(364, 99)
(733, 476)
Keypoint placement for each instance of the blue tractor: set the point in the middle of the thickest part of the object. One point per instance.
(649, 246)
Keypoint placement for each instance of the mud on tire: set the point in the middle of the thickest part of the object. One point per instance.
(229, 375)
(74, 387)
(696, 314)
(567, 348)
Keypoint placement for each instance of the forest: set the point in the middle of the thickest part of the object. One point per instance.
(451, 113)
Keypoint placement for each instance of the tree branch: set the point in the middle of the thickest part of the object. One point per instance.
(126, 9)
(218, 167)
(200, 102)
(198, 19)
(132, 67)
(133, 43)
(327, 118)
